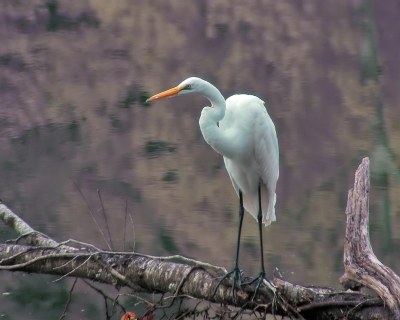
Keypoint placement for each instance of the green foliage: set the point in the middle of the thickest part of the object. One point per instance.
(51, 135)
(370, 67)
(90, 168)
(129, 99)
(119, 188)
(74, 130)
(342, 199)
(222, 29)
(168, 243)
(58, 21)
(14, 61)
(39, 296)
(143, 96)
(171, 176)
(385, 216)
(6, 233)
(327, 185)
(380, 179)
(134, 96)
(126, 188)
(217, 166)
(250, 245)
(228, 213)
(115, 122)
(154, 148)
(244, 27)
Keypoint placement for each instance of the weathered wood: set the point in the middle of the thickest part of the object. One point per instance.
(318, 303)
(150, 274)
(136, 271)
(177, 276)
(26, 232)
(360, 263)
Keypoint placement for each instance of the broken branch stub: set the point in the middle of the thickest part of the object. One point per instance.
(361, 266)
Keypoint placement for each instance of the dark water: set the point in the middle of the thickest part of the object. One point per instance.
(76, 132)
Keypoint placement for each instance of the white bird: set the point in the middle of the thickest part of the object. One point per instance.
(241, 130)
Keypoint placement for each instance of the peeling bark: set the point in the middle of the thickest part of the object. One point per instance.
(180, 277)
(361, 265)
(136, 271)
(25, 231)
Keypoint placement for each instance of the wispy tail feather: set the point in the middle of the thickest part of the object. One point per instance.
(270, 216)
(268, 207)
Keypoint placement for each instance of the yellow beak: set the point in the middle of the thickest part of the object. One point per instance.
(165, 94)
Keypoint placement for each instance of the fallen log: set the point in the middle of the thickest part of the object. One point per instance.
(180, 278)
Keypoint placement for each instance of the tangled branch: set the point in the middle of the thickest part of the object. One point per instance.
(176, 279)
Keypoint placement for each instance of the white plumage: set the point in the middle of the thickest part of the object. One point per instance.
(248, 123)
(241, 130)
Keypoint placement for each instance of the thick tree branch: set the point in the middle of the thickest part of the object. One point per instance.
(25, 231)
(180, 277)
(144, 274)
(135, 271)
(360, 263)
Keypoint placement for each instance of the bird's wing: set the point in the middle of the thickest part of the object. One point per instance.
(253, 133)
(266, 154)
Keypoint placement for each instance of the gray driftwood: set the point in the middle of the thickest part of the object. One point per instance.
(183, 278)
(361, 265)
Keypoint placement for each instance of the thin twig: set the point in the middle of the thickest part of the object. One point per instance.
(73, 270)
(87, 245)
(44, 257)
(5, 260)
(119, 276)
(133, 231)
(179, 287)
(67, 263)
(126, 214)
(368, 302)
(98, 290)
(106, 307)
(21, 227)
(137, 297)
(91, 214)
(180, 258)
(69, 300)
(24, 235)
(330, 304)
(103, 210)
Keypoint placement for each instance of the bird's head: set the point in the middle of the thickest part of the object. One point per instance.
(190, 85)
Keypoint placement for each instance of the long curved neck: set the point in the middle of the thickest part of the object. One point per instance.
(217, 102)
(210, 116)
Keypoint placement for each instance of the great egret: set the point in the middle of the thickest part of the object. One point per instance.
(241, 130)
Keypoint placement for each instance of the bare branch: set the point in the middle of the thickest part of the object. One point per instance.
(91, 214)
(103, 210)
(69, 300)
(22, 228)
(180, 279)
(361, 264)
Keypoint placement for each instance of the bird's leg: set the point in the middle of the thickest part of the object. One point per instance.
(261, 275)
(236, 271)
(259, 219)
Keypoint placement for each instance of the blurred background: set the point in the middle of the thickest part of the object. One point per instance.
(74, 124)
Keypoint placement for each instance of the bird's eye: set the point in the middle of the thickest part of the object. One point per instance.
(187, 87)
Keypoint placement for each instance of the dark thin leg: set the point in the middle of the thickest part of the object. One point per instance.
(241, 214)
(261, 275)
(236, 271)
(259, 218)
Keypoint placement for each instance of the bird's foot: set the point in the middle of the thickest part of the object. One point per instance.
(236, 275)
(260, 279)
